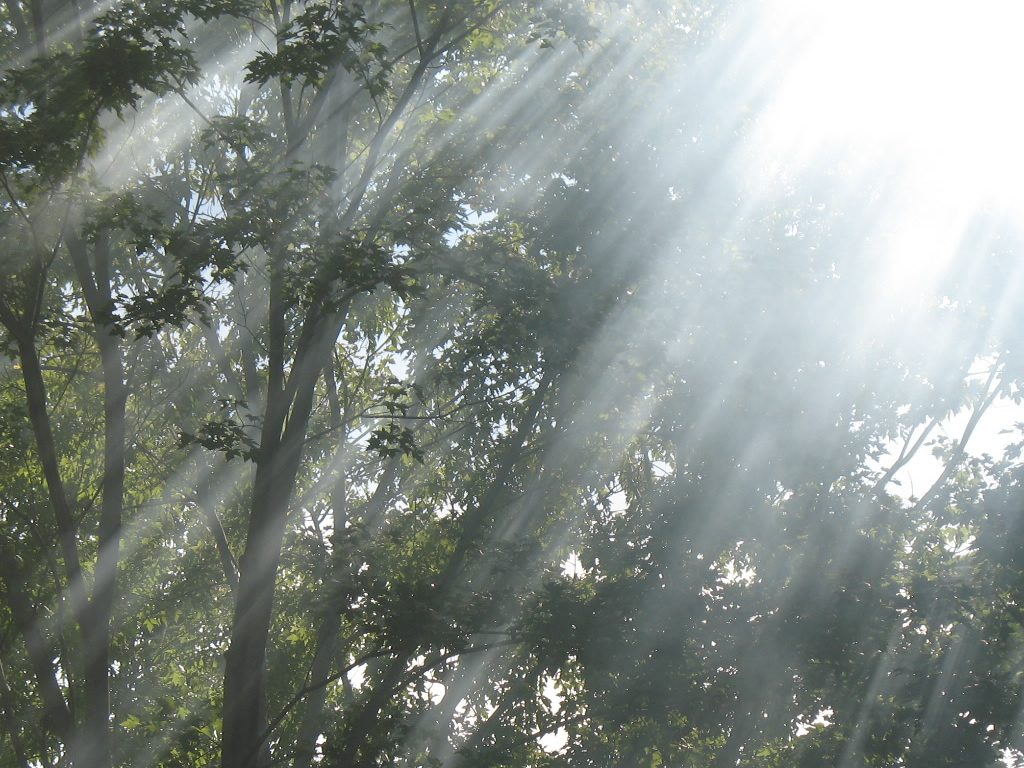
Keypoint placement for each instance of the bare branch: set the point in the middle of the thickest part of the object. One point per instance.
(906, 455)
(992, 389)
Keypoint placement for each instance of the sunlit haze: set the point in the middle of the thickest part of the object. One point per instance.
(499, 384)
(930, 89)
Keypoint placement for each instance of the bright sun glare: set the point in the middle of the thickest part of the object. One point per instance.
(933, 87)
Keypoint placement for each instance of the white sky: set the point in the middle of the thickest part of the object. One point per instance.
(932, 85)
(937, 81)
(936, 86)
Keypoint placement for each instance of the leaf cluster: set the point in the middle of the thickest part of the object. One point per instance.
(322, 37)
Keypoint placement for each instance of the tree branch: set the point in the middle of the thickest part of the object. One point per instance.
(990, 392)
(906, 455)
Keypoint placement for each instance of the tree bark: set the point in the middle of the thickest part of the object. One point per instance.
(57, 717)
(321, 669)
(95, 743)
(46, 446)
(287, 419)
(330, 626)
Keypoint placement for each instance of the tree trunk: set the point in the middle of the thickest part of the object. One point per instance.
(95, 744)
(245, 717)
(57, 717)
(96, 628)
(321, 670)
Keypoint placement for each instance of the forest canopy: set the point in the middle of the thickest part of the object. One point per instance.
(412, 383)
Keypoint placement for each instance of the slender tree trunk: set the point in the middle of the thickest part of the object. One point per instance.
(354, 754)
(46, 446)
(95, 747)
(321, 669)
(245, 717)
(23, 330)
(57, 717)
(204, 499)
(330, 626)
(245, 664)
(96, 629)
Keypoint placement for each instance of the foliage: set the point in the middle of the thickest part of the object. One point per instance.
(414, 384)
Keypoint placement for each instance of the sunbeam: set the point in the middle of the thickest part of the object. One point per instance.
(492, 384)
(924, 90)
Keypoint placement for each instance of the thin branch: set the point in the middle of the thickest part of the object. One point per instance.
(180, 90)
(529, 738)
(213, 522)
(9, 319)
(989, 395)
(18, 205)
(416, 28)
(906, 455)
(377, 143)
(418, 672)
(308, 689)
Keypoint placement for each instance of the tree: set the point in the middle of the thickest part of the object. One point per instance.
(381, 351)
